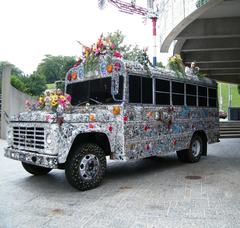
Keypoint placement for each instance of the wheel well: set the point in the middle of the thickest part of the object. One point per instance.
(100, 139)
(203, 136)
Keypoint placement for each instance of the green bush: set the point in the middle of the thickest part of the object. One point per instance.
(17, 82)
(33, 85)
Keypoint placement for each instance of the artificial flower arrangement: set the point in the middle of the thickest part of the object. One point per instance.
(175, 63)
(108, 47)
(51, 102)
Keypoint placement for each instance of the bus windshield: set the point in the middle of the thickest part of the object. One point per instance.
(97, 91)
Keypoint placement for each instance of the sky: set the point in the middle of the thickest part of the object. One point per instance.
(31, 29)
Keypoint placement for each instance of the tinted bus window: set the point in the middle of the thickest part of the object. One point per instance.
(134, 89)
(202, 91)
(177, 87)
(177, 93)
(191, 95)
(202, 96)
(162, 85)
(162, 92)
(191, 89)
(140, 89)
(146, 90)
(212, 97)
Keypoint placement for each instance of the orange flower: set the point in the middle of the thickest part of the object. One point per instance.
(91, 117)
(74, 76)
(109, 68)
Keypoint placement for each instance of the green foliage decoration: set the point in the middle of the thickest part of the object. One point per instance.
(175, 63)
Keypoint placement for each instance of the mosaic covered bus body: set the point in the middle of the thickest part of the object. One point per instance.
(133, 130)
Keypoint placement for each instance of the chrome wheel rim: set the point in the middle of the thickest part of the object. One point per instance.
(196, 148)
(89, 166)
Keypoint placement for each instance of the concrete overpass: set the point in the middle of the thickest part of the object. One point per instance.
(211, 37)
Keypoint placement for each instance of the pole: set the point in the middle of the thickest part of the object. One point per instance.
(221, 99)
(229, 96)
(154, 23)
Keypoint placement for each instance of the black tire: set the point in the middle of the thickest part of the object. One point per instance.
(86, 166)
(182, 155)
(35, 170)
(194, 153)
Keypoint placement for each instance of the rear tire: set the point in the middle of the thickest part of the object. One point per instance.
(182, 155)
(194, 153)
(35, 170)
(86, 166)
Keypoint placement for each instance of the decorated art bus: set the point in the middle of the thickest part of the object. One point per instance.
(121, 109)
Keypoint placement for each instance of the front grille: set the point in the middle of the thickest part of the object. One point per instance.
(28, 138)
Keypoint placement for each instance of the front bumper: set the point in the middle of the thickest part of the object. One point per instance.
(43, 160)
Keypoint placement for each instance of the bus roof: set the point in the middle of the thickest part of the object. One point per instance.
(123, 67)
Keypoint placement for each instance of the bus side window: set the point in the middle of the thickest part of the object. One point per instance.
(177, 93)
(212, 97)
(191, 93)
(134, 89)
(162, 92)
(202, 96)
(140, 89)
(147, 90)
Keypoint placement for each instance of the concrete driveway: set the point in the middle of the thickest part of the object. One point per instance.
(159, 192)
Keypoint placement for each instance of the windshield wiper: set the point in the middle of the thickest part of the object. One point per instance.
(98, 102)
(89, 99)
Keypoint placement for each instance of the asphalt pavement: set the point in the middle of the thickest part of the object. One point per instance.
(157, 192)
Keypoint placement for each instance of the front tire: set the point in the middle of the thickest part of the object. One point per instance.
(35, 170)
(86, 166)
(194, 153)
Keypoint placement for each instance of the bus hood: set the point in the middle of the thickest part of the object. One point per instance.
(98, 113)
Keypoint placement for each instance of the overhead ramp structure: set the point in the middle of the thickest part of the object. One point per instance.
(210, 36)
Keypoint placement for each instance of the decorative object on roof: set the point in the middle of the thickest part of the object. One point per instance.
(175, 63)
(51, 102)
(102, 57)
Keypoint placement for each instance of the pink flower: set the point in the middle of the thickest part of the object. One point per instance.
(117, 54)
(27, 103)
(69, 98)
(113, 46)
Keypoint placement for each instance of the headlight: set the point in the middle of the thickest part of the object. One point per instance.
(9, 134)
(48, 138)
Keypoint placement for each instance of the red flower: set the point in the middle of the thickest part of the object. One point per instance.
(110, 128)
(146, 127)
(174, 142)
(69, 77)
(78, 63)
(125, 118)
(117, 54)
(90, 126)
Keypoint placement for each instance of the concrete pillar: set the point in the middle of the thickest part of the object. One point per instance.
(6, 75)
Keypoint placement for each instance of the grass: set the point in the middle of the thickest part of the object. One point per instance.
(235, 95)
(51, 86)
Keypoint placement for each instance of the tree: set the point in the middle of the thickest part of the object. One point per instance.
(55, 67)
(35, 84)
(18, 83)
(15, 71)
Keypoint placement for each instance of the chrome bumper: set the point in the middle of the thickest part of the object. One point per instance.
(43, 160)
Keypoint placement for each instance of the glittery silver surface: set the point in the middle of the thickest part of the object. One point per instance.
(138, 131)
